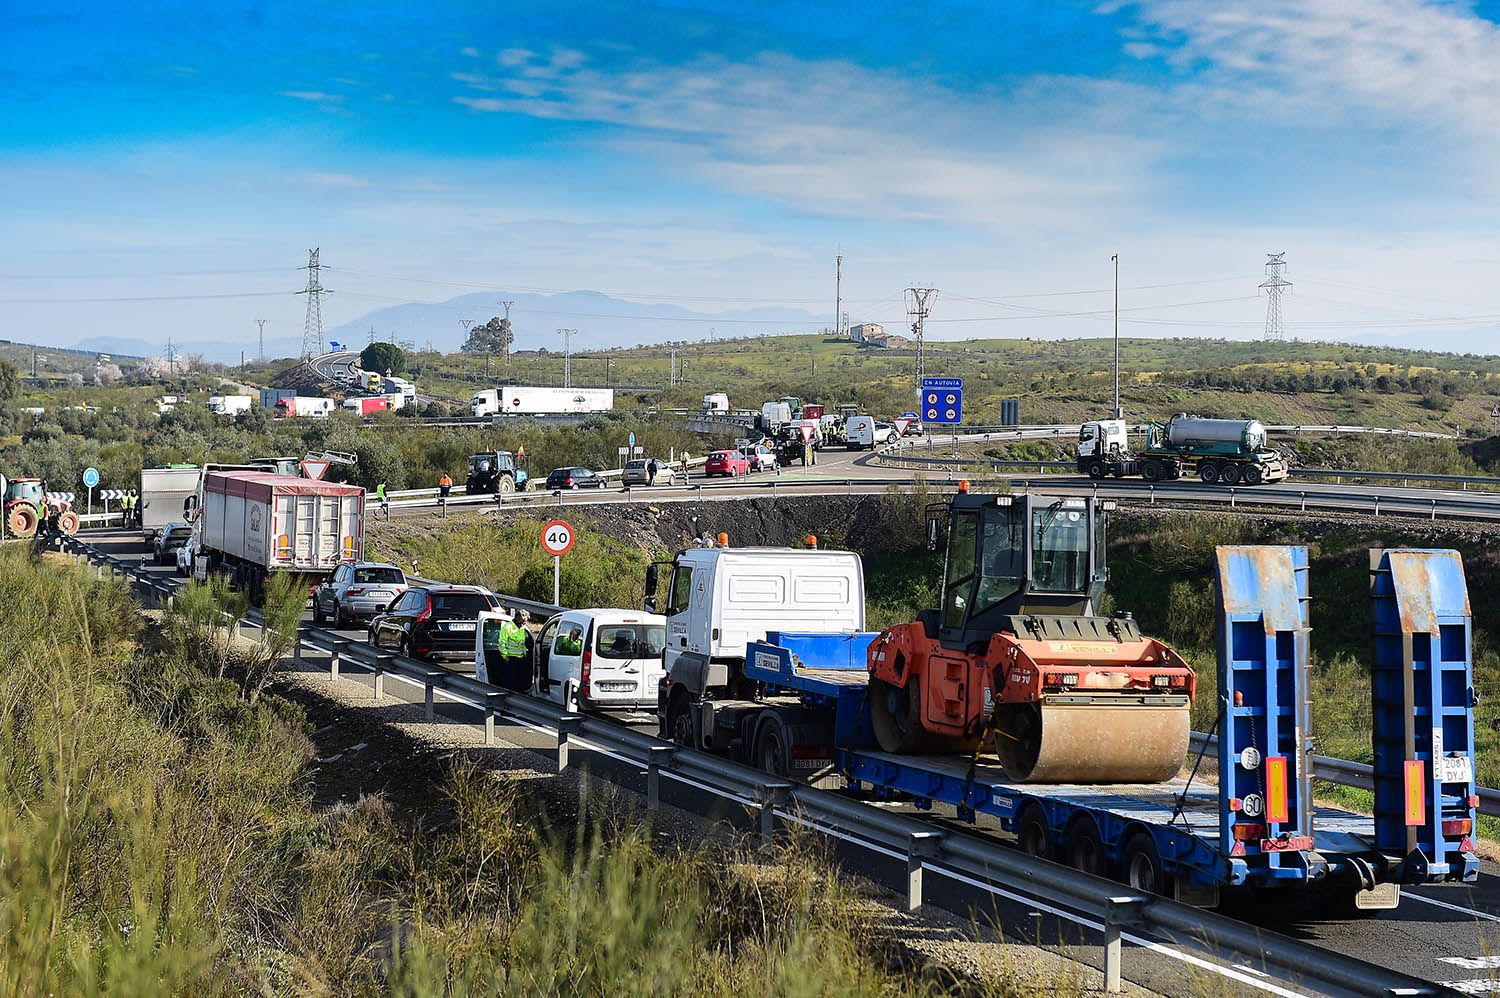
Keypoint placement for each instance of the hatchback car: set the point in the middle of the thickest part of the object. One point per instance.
(355, 590)
(171, 537)
(601, 659)
(729, 463)
(641, 471)
(574, 478)
(432, 621)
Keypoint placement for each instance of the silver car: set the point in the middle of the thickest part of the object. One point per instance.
(641, 471)
(355, 590)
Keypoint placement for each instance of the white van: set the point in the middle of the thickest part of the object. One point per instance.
(601, 658)
(859, 432)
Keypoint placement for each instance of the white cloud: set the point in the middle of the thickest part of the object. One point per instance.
(315, 96)
(836, 138)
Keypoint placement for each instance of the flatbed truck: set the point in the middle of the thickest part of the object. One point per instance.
(797, 705)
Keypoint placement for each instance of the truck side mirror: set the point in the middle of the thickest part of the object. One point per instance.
(934, 528)
(649, 601)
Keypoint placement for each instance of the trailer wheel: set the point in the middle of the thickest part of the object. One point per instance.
(1095, 469)
(1209, 472)
(1032, 833)
(1140, 867)
(1085, 849)
(1151, 471)
(772, 754)
(1253, 475)
(1230, 475)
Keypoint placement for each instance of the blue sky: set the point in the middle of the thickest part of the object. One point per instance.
(714, 154)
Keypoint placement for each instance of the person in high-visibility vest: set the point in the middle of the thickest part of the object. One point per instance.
(515, 671)
(445, 485)
(385, 506)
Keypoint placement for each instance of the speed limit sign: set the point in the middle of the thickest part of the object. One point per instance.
(557, 538)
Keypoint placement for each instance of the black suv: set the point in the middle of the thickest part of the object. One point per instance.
(574, 478)
(431, 621)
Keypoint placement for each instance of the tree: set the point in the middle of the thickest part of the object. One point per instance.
(10, 380)
(383, 358)
(494, 336)
(107, 374)
(153, 369)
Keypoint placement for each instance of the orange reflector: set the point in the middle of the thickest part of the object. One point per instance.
(1458, 826)
(723, 540)
(812, 540)
(1276, 789)
(1239, 699)
(1250, 832)
(1416, 799)
(283, 542)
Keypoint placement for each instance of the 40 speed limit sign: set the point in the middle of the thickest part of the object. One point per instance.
(557, 538)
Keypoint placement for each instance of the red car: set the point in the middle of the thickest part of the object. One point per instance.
(730, 463)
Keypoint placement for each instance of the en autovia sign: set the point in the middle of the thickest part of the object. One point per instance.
(942, 400)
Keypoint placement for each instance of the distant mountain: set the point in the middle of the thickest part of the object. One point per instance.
(601, 321)
(223, 351)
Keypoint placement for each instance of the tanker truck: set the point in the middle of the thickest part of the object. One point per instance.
(1227, 451)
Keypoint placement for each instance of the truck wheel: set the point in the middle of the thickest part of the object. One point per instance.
(1140, 866)
(1096, 469)
(1151, 471)
(21, 521)
(1253, 475)
(1209, 472)
(1032, 833)
(1230, 475)
(67, 522)
(680, 722)
(1085, 849)
(772, 754)
(507, 484)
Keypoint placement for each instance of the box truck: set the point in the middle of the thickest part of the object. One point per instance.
(716, 403)
(251, 524)
(367, 405)
(530, 401)
(230, 405)
(164, 496)
(304, 406)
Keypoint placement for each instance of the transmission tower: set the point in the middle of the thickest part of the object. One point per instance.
(1275, 287)
(919, 307)
(262, 324)
(509, 330)
(312, 328)
(838, 295)
(567, 335)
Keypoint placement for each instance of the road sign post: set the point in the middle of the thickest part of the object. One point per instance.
(91, 479)
(557, 540)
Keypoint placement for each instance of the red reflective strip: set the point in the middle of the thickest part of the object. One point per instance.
(1276, 789)
(1416, 797)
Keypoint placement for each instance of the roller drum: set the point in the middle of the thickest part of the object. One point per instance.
(1068, 739)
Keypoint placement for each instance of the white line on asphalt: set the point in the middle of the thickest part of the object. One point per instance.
(1454, 907)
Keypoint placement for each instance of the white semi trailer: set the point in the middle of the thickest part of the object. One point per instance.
(522, 400)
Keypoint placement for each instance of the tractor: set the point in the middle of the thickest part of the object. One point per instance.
(495, 472)
(21, 513)
(1018, 660)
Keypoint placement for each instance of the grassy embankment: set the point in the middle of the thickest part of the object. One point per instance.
(158, 836)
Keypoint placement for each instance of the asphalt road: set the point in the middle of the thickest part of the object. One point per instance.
(1448, 935)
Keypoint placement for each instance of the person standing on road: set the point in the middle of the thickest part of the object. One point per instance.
(445, 485)
(515, 671)
(385, 506)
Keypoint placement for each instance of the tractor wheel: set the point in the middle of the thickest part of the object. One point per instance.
(506, 485)
(67, 522)
(21, 521)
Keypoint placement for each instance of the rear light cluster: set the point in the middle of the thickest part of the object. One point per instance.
(1062, 679)
(585, 672)
(1458, 826)
(354, 591)
(1169, 680)
(426, 613)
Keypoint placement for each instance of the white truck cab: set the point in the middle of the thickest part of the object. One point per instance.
(1102, 438)
(716, 599)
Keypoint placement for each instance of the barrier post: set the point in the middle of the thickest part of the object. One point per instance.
(657, 756)
(570, 725)
(1118, 912)
(493, 703)
(919, 846)
(772, 796)
(335, 654)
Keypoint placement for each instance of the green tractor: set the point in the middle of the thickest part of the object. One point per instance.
(25, 499)
(494, 472)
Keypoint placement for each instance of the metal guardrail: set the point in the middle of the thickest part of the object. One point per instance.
(1200, 938)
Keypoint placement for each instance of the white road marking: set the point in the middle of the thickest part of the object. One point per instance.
(1454, 907)
(1473, 963)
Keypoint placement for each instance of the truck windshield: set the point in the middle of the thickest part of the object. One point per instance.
(1060, 550)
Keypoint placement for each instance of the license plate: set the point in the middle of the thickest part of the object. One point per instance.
(613, 687)
(1455, 769)
(464, 626)
(1294, 843)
